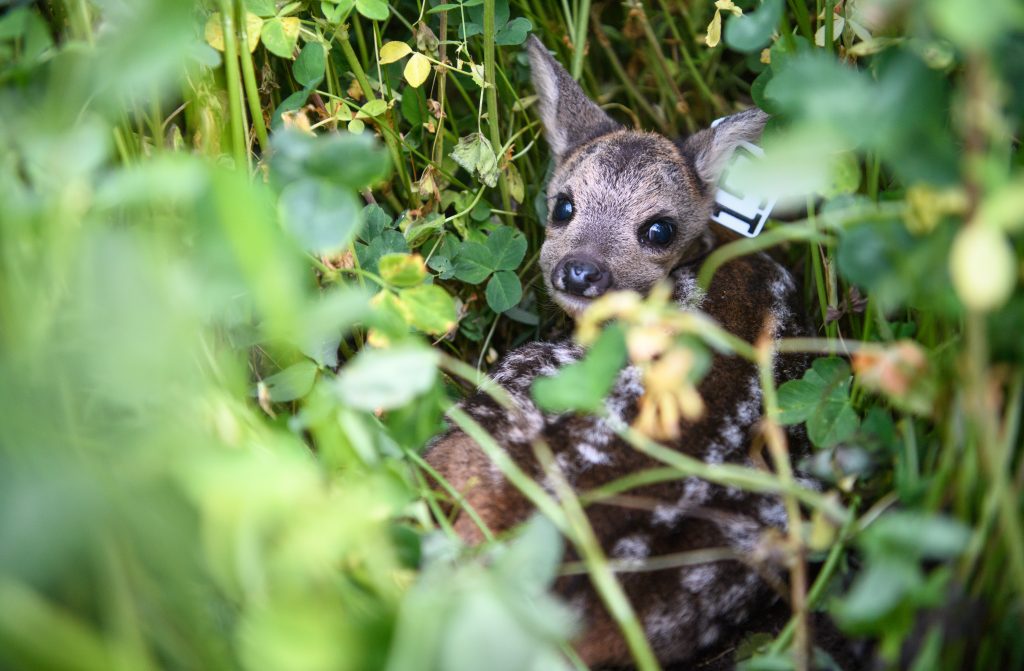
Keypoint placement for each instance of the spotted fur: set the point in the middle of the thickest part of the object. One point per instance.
(619, 178)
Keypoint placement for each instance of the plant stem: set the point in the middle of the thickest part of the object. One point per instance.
(601, 573)
(364, 83)
(492, 95)
(579, 40)
(252, 91)
(803, 20)
(748, 479)
(829, 24)
(620, 72)
(437, 153)
(779, 451)
(732, 250)
(986, 439)
(659, 58)
(231, 81)
(818, 588)
(515, 475)
(698, 79)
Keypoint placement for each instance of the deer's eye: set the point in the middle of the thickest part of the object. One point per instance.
(657, 233)
(563, 210)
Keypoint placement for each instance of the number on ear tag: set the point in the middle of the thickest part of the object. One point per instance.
(737, 211)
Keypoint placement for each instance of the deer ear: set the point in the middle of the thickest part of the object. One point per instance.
(711, 148)
(569, 117)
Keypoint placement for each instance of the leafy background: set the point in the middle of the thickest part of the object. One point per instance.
(250, 251)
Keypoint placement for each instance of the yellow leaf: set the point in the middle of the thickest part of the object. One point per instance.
(215, 32)
(393, 51)
(291, 26)
(416, 70)
(253, 26)
(728, 6)
(714, 35)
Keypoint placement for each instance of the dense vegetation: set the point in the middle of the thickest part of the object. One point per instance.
(251, 250)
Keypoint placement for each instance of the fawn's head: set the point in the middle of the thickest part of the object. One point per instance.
(625, 207)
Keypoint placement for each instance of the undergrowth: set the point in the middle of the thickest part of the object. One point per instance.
(251, 251)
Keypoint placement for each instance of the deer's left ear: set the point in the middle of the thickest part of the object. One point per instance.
(569, 117)
(711, 148)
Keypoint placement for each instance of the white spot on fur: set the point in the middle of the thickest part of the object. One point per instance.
(773, 513)
(591, 455)
(662, 625)
(696, 579)
(636, 546)
(709, 636)
(666, 515)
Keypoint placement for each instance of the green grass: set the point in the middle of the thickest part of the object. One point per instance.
(204, 465)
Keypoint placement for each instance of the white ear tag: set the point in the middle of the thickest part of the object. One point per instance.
(739, 212)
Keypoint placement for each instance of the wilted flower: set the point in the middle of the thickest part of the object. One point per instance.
(898, 371)
(614, 305)
(669, 395)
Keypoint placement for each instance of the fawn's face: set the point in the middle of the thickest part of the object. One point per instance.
(623, 211)
(624, 207)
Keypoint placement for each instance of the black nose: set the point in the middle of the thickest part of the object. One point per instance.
(583, 276)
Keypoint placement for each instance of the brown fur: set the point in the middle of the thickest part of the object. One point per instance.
(618, 180)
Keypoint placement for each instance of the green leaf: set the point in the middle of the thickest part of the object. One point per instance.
(308, 68)
(389, 378)
(822, 399)
(530, 564)
(835, 423)
(507, 247)
(324, 322)
(377, 221)
(387, 242)
(442, 265)
(474, 153)
(429, 308)
(753, 30)
(877, 591)
(281, 35)
(972, 26)
(292, 383)
(376, 10)
(402, 270)
(814, 86)
(474, 264)
(504, 291)
(336, 11)
(501, 13)
(514, 32)
(352, 161)
(522, 316)
(262, 8)
(323, 217)
(424, 229)
(915, 534)
(413, 104)
(375, 107)
(585, 384)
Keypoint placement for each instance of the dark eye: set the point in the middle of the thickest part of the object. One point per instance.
(563, 210)
(657, 233)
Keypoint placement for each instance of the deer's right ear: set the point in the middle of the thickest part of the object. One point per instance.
(569, 117)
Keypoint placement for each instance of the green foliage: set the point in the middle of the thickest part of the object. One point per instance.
(583, 385)
(753, 30)
(822, 400)
(236, 273)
